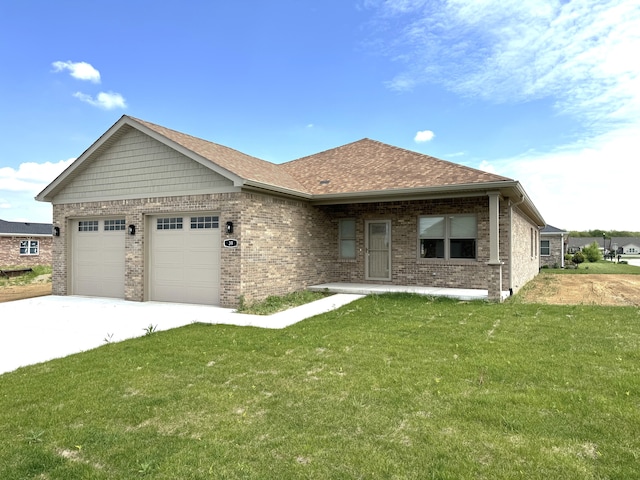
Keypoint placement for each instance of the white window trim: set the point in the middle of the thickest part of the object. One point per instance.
(548, 247)
(29, 252)
(447, 238)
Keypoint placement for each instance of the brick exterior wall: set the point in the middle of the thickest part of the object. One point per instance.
(10, 252)
(287, 245)
(406, 267)
(525, 258)
(556, 251)
(227, 205)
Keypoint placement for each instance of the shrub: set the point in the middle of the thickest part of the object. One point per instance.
(592, 252)
(577, 258)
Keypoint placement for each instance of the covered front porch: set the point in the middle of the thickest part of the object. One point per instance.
(466, 294)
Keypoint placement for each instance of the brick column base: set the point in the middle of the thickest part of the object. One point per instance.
(494, 282)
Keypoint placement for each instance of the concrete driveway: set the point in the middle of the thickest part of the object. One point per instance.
(40, 329)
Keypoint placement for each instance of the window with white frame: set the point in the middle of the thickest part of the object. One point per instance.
(207, 222)
(170, 223)
(88, 226)
(448, 237)
(545, 248)
(114, 225)
(347, 238)
(29, 247)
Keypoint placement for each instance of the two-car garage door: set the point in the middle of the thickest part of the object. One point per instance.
(182, 258)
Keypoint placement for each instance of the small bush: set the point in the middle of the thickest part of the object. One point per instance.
(592, 252)
(577, 258)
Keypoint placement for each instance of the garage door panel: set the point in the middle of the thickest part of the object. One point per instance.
(98, 259)
(185, 262)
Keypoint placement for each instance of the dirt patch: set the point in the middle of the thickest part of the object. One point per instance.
(583, 289)
(38, 287)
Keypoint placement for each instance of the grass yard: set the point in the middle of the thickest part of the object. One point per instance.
(395, 386)
(602, 266)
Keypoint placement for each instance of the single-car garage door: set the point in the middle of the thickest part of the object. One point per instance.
(184, 259)
(97, 257)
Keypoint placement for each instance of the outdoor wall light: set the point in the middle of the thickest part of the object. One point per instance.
(56, 231)
(132, 229)
(229, 227)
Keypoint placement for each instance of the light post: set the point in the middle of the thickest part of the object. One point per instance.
(603, 244)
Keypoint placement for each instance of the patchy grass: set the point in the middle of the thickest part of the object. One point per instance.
(601, 266)
(395, 386)
(275, 304)
(25, 279)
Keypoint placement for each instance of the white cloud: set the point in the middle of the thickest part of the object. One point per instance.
(583, 186)
(107, 101)
(18, 187)
(424, 136)
(578, 53)
(79, 70)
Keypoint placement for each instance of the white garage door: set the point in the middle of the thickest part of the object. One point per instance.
(184, 259)
(97, 257)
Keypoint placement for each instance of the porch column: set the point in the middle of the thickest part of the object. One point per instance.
(494, 279)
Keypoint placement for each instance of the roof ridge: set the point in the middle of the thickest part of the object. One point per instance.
(162, 127)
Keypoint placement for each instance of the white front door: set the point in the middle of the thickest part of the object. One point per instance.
(378, 253)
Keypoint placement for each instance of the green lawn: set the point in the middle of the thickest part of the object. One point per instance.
(395, 386)
(602, 266)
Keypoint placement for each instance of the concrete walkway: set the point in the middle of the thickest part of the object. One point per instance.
(42, 328)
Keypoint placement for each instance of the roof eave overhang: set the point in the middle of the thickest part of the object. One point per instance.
(274, 189)
(507, 189)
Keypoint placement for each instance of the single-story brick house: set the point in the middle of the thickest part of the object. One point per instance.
(25, 244)
(553, 243)
(149, 213)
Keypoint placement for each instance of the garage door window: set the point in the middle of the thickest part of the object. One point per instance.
(88, 226)
(112, 225)
(172, 223)
(204, 222)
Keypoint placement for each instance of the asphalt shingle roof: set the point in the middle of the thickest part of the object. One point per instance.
(362, 166)
(369, 165)
(25, 228)
(238, 163)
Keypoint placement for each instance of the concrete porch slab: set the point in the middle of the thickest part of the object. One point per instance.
(369, 288)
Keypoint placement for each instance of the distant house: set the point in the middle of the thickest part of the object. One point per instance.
(24, 244)
(619, 245)
(552, 246)
(149, 213)
(630, 248)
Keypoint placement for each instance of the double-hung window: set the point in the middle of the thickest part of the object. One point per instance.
(545, 249)
(448, 237)
(29, 247)
(347, 238)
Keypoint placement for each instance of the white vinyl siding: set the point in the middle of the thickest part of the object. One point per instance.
(137, 166)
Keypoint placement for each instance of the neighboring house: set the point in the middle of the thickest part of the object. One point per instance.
(630, 248)
(620, 245)
(149, 213)
(552, 246)
(24, 244)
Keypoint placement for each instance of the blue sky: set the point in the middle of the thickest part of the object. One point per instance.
(545, 92)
